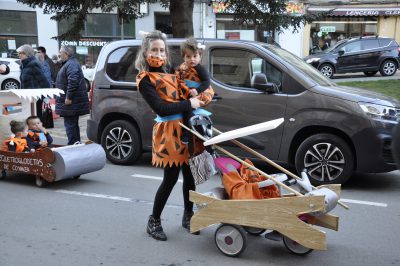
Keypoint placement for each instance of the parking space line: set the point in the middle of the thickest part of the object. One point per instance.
(377, 204)
(104, 196)
(152, 177)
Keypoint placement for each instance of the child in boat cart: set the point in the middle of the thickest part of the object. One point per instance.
(17, 143)
(38, 137)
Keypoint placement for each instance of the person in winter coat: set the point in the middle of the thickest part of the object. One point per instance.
(32, 73)
(74, 102)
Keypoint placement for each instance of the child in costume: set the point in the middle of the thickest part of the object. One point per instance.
(161, 91)
(38, 136)
(17, 143)
(195, 76)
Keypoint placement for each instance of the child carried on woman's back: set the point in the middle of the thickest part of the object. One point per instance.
(38, 137)
(17, 143)
(195, 76)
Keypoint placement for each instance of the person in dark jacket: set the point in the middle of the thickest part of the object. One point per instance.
(32, 73)
(74, 102)
(42, 51)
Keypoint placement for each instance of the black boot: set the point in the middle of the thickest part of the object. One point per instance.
(155, 230)
(186, 221)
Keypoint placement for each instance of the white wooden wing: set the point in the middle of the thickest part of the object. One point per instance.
(244, 131)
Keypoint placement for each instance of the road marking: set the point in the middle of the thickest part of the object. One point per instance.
(378, 204)
(104, 196)
(152, 177)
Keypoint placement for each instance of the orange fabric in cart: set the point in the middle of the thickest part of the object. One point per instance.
(244, 185)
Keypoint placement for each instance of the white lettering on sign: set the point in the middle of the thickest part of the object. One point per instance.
(362, 13)
(17, 160)
(328, 29)
(84, 43)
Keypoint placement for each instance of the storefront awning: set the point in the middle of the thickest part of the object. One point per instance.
(357, 11)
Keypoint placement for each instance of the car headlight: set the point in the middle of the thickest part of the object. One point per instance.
(312, 60)
(380, 112)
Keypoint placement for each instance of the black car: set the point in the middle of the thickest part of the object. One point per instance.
(362, 54)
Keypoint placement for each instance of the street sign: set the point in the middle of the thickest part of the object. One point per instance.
(327, 29)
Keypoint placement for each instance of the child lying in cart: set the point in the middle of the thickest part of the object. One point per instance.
(240, 182)
(38, 137)
(17, 143)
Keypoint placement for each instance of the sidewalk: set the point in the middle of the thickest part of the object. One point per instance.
(59, 131)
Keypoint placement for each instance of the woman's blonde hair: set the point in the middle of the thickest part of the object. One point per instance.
(140, 62)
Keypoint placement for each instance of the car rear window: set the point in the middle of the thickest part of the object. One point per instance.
(384, 42)
(370, 44)
(121, 64)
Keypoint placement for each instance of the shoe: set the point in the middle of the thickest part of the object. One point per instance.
(155, 230)
(186, 222)
(274, 235)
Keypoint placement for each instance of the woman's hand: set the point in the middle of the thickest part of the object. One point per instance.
(195, 102)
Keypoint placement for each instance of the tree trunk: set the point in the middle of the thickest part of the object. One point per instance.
(182, 18)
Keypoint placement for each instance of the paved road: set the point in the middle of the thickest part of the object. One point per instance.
(100, 220)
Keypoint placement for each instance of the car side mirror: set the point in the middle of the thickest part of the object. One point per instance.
(259, 81)
(341, 52)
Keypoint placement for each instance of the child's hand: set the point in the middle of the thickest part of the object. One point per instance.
(193, 92)
(43, 143)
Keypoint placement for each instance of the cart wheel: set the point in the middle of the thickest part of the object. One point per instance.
(254, 230)
(230, 239)
(40, 182)
(76, 177)
(3, 174)
(295, 247)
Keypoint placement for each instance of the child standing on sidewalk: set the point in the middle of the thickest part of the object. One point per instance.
(38, 136)
(195, 76)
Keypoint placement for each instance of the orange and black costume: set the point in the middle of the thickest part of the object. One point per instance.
(16, 145)
(33, 139)
(161, 91)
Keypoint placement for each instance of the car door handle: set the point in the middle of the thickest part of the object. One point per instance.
(216, 98)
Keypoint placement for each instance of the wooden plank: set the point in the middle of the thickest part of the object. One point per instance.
(33, 163)
(328, 221)
(280, 214)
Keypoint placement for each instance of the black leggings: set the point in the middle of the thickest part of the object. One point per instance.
(170, 178)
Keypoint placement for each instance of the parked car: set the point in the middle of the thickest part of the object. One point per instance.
(330, 130)
(362, 54)
(11, 80)
(88, 74)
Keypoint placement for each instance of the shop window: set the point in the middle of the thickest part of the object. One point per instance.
(164, 23)
(17, 28)
(121, 64)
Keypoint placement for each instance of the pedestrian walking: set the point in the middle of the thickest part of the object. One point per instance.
(74, 102)
(42, 51)
(32, 73)
(160, 90)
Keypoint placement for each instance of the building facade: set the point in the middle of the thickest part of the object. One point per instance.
(350, 19)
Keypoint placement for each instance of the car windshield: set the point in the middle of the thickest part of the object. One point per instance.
(308, 70)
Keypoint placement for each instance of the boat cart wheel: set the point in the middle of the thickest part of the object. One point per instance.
(3, 174)
(230, 239)
(40, 182)
(295, 247)
(254, 230)
(76, 177)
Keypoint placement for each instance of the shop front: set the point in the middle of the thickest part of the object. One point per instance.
(350, 21)
(17, 28)
(99, 29)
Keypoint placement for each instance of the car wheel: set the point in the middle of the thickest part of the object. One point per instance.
(327, 158)
(326, 70)
(87, 84)
(370, 73)
(121, 142)
(388, 68)
(10, 84)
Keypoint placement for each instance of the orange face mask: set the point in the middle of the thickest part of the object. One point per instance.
(155, 61)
